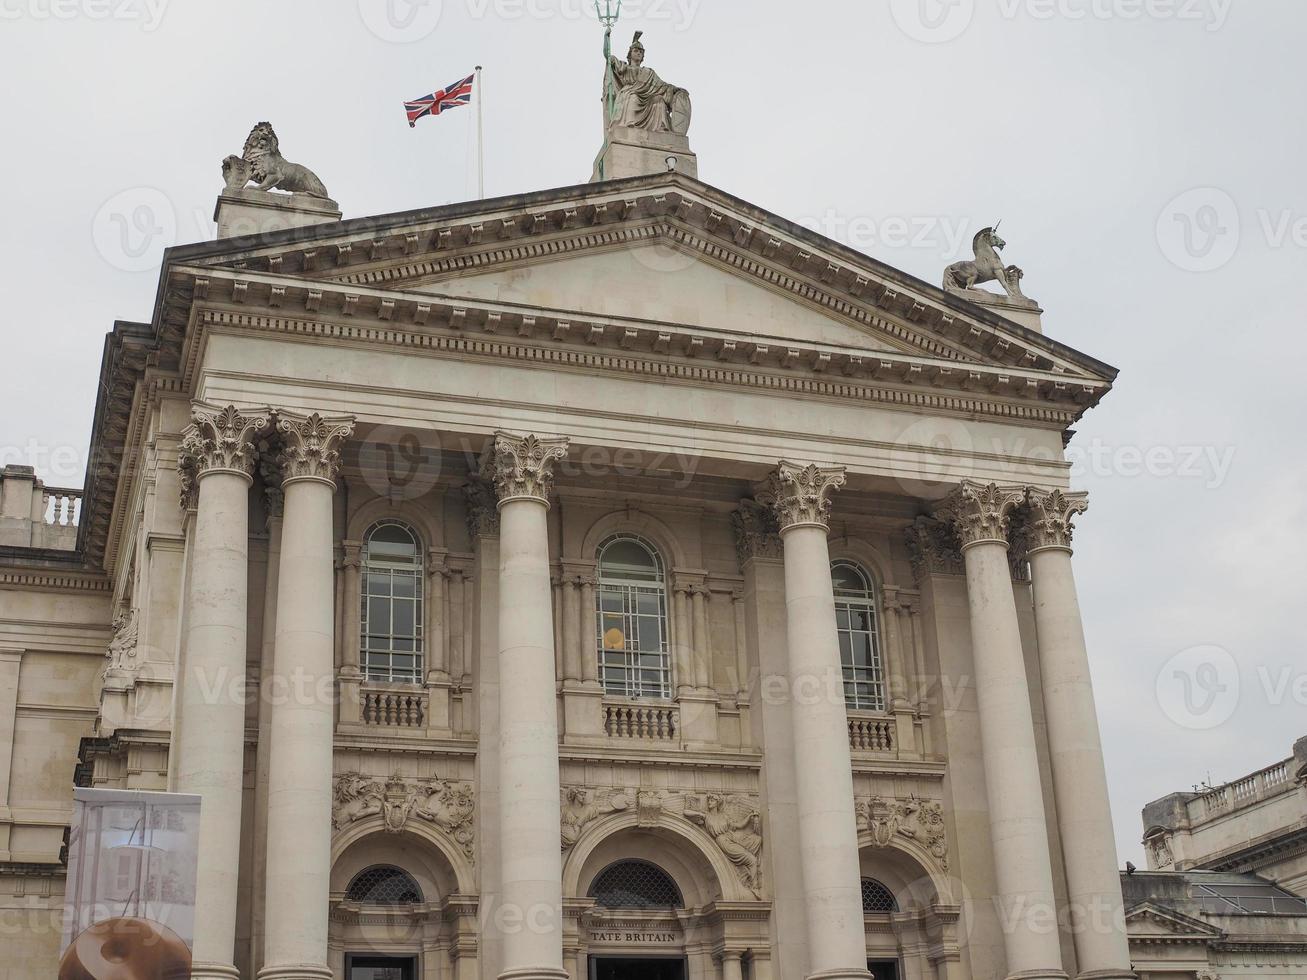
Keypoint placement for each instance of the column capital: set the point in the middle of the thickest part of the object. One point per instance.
(1049, 518)
(522, 467)
(981, 512)
(933, 548)
(311, 446)
(801, 495)
(218, 440)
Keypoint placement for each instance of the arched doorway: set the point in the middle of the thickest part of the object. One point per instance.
(398, 908)
(646, 903)
(909, 920)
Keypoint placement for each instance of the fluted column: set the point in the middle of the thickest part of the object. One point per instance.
(1084, 813)
(828, 839)
(1018, 831)
(216, 462)
(299, 794)
(521, 470)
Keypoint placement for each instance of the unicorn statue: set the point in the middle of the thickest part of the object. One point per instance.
(963, 277)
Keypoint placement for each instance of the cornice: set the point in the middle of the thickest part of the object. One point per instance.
(47, 580)
(555, 339)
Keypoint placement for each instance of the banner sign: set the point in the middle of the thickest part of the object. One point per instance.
(129, 907)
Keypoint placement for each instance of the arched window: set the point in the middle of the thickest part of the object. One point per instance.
(876, 898)
(392, 605)
(384, 885)
(636, 885)
(631, 620)
(859, 634)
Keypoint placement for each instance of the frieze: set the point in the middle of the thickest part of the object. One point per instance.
(733, 821)
(922, 821)
(448, 805)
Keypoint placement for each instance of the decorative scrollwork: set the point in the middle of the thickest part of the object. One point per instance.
(218, 439)
(311, 445)
(522, 466)
(801, 495)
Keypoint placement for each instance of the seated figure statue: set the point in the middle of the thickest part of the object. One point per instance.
(645, 101)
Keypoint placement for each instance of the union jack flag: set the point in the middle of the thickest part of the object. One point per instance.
(460, 93)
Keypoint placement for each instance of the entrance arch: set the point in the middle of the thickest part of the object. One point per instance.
(909, 917)
(398, 900)
(646, 902)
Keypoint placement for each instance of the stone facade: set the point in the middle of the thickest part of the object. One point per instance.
(510, 387)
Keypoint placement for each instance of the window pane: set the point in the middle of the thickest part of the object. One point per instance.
(404, 586)
(403, 613)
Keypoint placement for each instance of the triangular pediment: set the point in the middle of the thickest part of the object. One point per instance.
(663, 251)
(660, 282)
(1152, 921)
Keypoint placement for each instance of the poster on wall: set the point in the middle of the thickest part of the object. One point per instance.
(129, 907)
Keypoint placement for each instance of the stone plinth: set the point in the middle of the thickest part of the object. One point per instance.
(243, 213)
(631, 152)
(1023, 310)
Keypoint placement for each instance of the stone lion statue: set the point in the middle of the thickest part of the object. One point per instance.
(263, 164)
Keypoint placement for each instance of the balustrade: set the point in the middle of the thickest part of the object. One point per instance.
(394, 707)
(62, 508)
(637, 720)
(868, 733)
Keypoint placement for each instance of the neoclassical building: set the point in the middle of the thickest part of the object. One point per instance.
(614, 581)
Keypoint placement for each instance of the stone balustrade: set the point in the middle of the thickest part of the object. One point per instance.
(641, 721)
(61, 508)
(870, 733)
(385, 706)
(1242, 792)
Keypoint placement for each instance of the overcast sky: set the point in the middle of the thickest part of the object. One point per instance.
(1146, 157)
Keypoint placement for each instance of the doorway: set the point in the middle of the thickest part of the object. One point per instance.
(380, 968)
(636, 968)
(884, 969)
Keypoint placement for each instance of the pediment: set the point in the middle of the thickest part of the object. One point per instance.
(658, 281)
(1156, 922)
(657, 251)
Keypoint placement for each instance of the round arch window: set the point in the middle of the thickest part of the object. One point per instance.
(858, 627)
(384, 885)
(392, 620)
(877, 898)
(636, 885)
(631, 620)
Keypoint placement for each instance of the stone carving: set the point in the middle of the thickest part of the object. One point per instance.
(1049, 517)
(914, 818)
(448, 805)
(757, 533)
(522, 466)
(122, 648)
(982, 511)
(311, 445)
(582, 807)
(262, 163)
(933, 548)
(1160, 848)
(482, 509)
(735, 824)
(217, 439)
(801, 495)
(962, 278)
(642, 99)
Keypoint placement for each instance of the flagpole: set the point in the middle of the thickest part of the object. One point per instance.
(481, 134)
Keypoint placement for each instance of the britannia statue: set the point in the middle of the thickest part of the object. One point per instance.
(638, 98)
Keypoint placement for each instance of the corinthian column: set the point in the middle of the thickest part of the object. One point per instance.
(828, 836)
(217, 462)
(521, 470)
(1084, 814)
(300, 767)
(1018, 831)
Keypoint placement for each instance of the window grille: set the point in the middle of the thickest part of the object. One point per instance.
(636, 885)
(631, 621)
(392, 646)
(382, 885)
(876, 898)
(859, 635)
